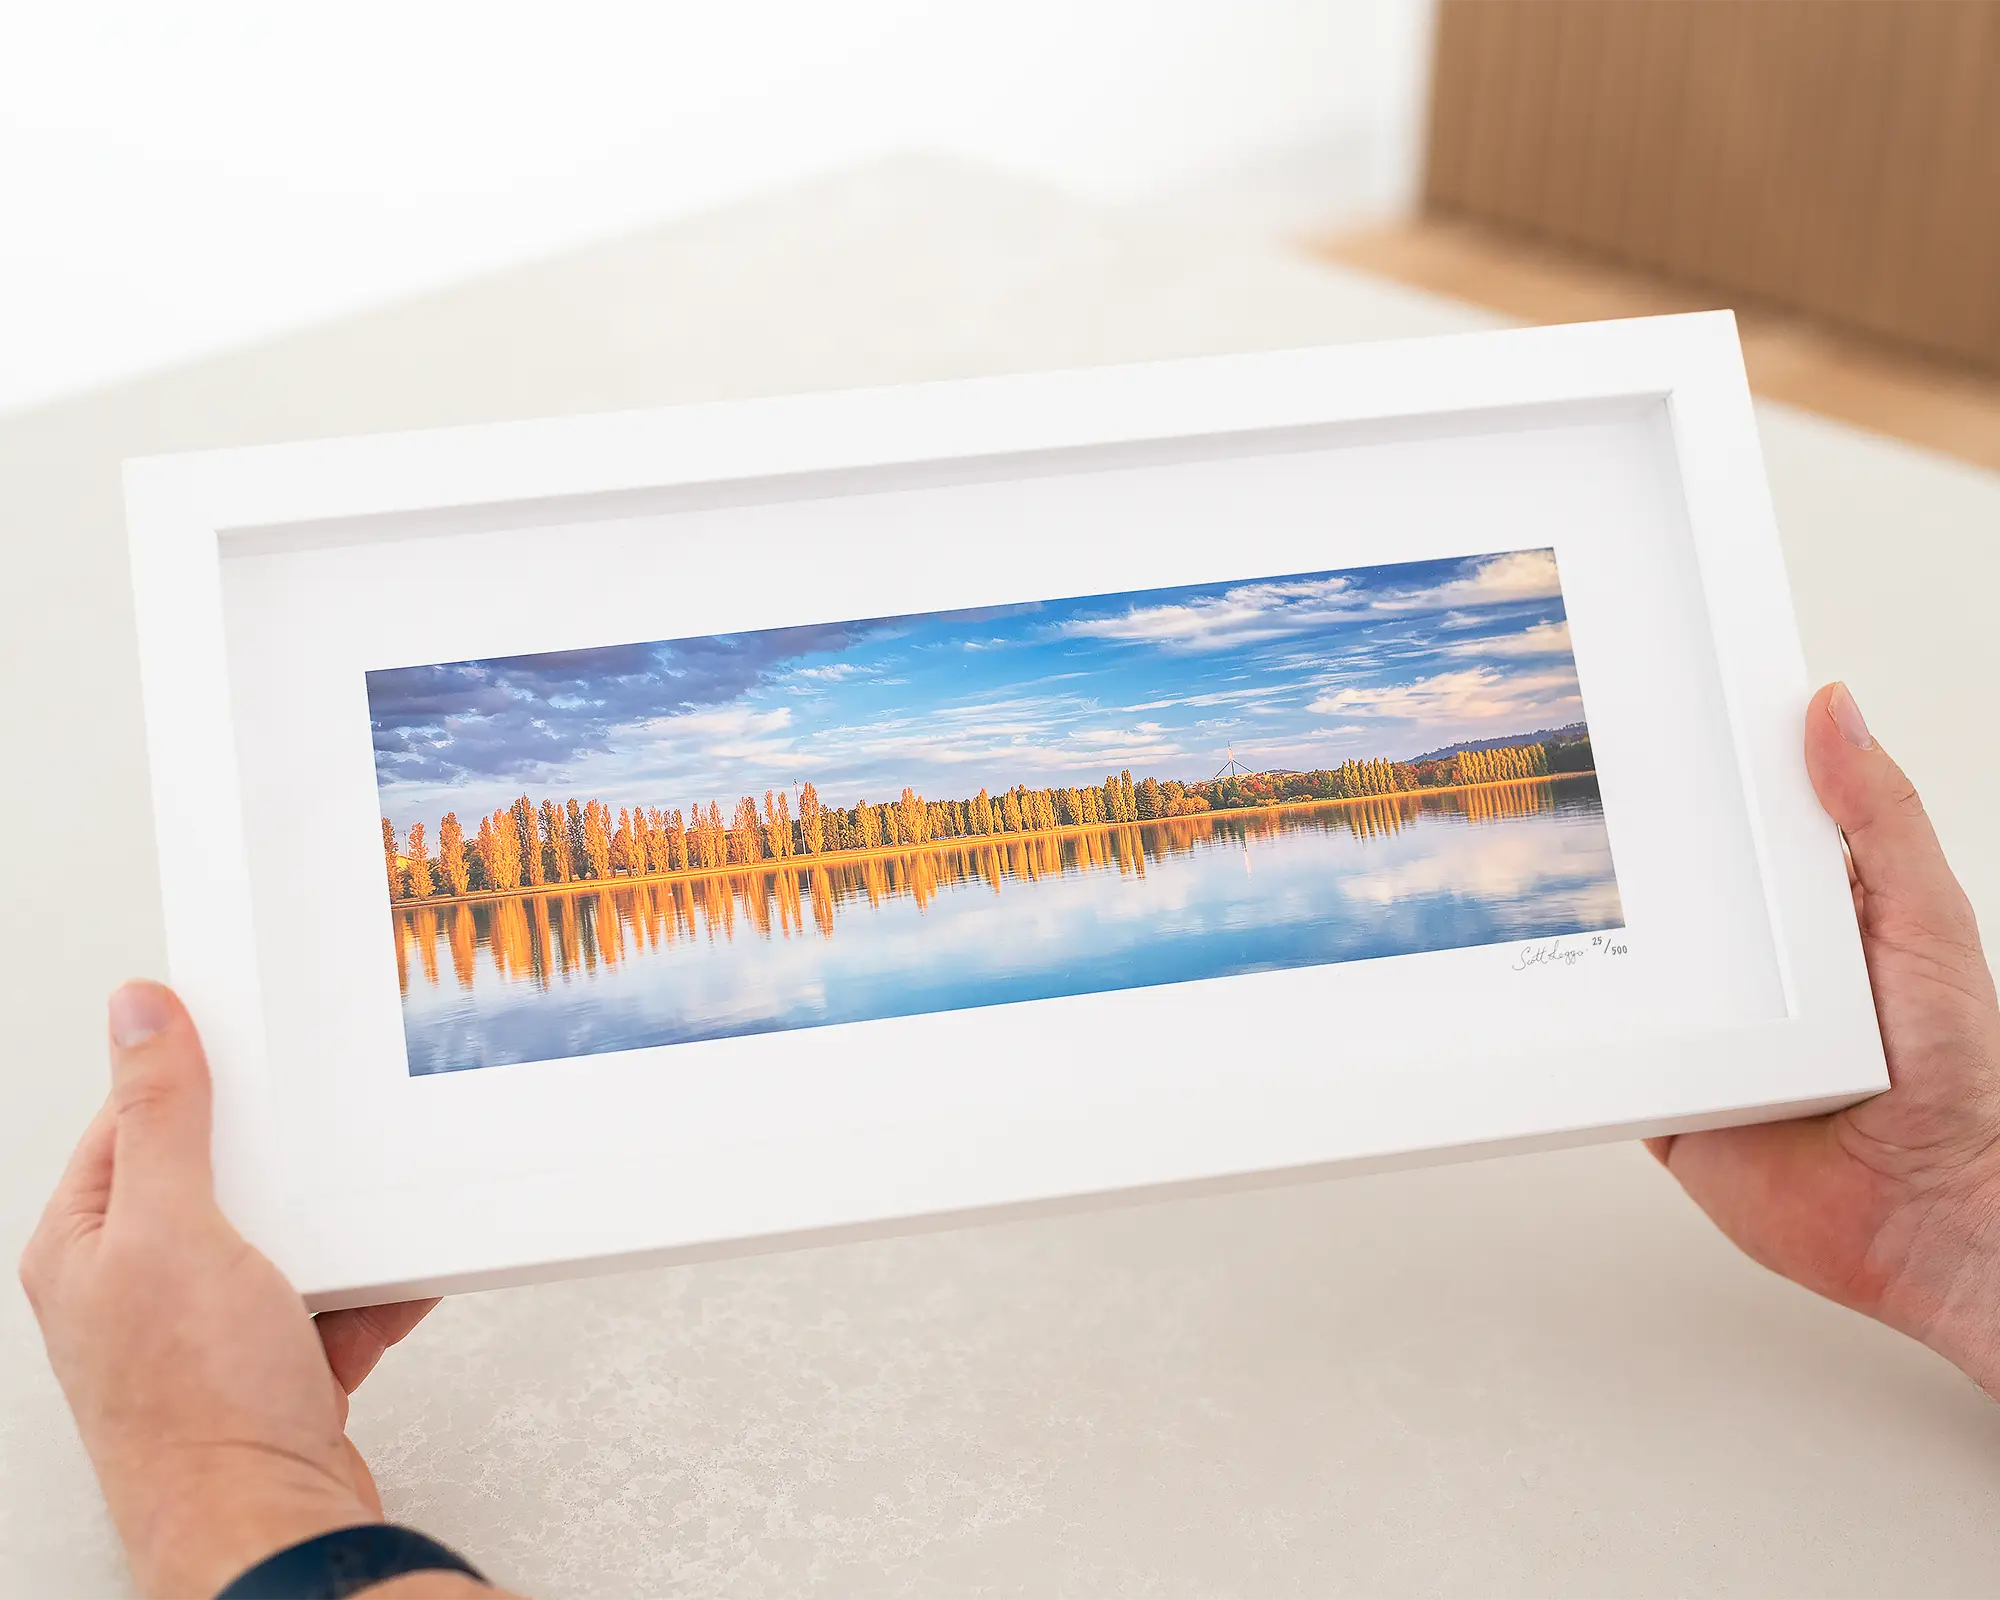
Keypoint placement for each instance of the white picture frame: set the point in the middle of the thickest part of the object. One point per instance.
(1632, 444)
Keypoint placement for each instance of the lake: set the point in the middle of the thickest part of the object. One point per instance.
(544, 975)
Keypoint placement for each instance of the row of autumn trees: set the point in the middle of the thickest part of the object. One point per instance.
(1355, 779)
(530, 846)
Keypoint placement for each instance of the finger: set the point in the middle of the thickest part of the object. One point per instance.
(75, 1208)
(160, 1098)
(1891, 846)
(355, 1340)
(1780, 1192)
(84, 1189)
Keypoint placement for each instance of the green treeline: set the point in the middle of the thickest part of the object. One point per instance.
(526, 846)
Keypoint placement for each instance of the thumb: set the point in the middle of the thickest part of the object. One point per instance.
(1909, 887)
(159, 1099)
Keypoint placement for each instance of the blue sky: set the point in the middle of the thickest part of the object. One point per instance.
(1302, 670)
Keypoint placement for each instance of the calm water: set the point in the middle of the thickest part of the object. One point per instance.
(535, 977)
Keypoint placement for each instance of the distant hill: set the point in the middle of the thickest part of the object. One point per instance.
(1574, 733)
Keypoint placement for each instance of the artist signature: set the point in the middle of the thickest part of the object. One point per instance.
(1550, 953)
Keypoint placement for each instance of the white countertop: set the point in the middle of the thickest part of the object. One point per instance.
(1536, 1375)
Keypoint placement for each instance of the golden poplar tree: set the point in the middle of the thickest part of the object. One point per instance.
(503, 868)
(451, 854)
(718, 835)
(573, 838)
(529, 841)
(389, 854)
(775, 840)
(746, 834)
(482, 852)
(555, 843)
(597, 839)
(420, 864)
(812, 828)
(911, 807)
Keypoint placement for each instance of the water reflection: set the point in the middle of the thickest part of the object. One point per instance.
(978, 922)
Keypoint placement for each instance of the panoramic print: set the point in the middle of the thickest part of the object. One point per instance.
(646, 844)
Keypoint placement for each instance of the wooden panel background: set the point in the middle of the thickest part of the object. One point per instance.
(1840, 157)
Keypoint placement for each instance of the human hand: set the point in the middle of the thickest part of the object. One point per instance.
(1891, 1206)
(213, 1405)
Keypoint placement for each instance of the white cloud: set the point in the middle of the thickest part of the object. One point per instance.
(1033, 711)
(1246, 614)
(1251, 613)
(1024, 757)
(1019, 733)
(1349, 660)
(1144, 733)
(1543, 639)
(722, 723)
(1468, 695)
(996, 730)
(1215, 697)
(1518, 575)
(1285, 592)
(759, 739)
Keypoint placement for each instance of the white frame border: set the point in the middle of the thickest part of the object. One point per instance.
(184, 511)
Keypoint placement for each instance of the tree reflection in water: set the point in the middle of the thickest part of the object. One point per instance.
(542, 938)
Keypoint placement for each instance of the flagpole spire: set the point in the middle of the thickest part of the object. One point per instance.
(1232, 768)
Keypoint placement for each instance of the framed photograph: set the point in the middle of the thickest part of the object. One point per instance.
(633, 838)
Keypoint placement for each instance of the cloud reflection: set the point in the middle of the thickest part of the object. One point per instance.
(550, 975)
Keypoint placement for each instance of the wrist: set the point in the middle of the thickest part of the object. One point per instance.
(218, 1518)
(1962, 1321)
(376, 1559)
(430, 1586)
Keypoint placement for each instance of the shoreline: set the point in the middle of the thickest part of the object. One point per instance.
(981, 841)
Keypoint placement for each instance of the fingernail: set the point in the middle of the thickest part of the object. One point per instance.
(138, 1011)
(1847, 718)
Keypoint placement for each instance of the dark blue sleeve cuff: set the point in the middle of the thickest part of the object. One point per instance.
(344, 1562)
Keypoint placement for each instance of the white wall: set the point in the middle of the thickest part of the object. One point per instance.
(178, 178)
